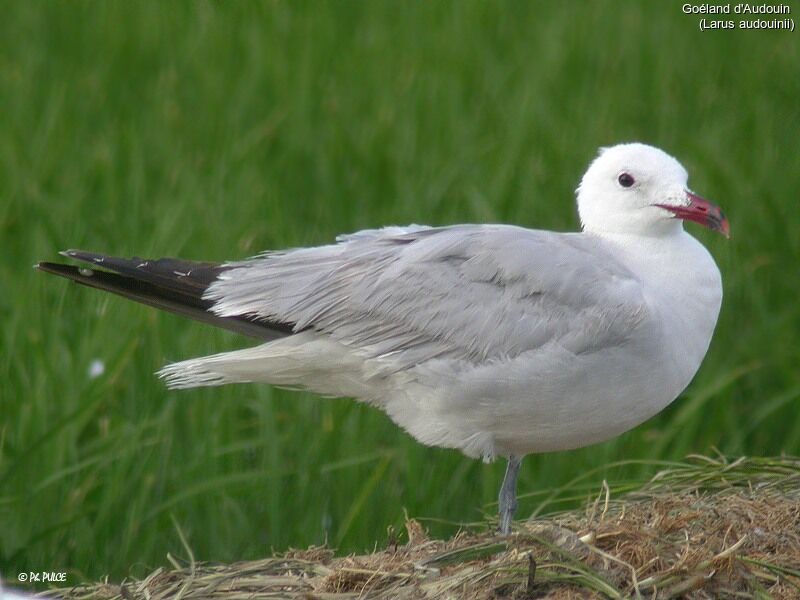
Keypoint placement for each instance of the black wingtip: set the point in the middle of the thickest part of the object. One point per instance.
(157, 283)
(83, 255)
(45, 266)
(67, 271)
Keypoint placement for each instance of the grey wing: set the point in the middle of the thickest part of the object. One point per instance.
(469, 292)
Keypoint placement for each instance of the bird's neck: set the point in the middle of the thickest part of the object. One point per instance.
(680, 281)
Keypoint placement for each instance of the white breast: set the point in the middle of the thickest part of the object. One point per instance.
(683, 286)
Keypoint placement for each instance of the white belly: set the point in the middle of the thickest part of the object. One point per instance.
(520, 407)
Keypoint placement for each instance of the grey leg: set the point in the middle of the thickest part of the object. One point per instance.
(508, 495)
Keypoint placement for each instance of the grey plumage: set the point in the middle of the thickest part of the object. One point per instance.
(468, 292)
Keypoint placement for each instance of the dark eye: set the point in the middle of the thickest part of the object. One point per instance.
(626, 179)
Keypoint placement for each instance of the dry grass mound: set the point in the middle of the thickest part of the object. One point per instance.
(706, 528)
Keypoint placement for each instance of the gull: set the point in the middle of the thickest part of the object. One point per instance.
(495, 340)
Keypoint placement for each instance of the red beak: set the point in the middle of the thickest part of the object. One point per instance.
(701, 211)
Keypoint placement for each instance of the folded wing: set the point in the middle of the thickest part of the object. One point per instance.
(471, 293)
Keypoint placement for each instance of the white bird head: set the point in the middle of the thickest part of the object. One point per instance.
(639, 189)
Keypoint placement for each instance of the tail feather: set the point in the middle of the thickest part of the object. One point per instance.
(303, 361)
(169, 284)
(238, 366)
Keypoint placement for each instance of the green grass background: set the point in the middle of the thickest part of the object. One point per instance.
(216, 130)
